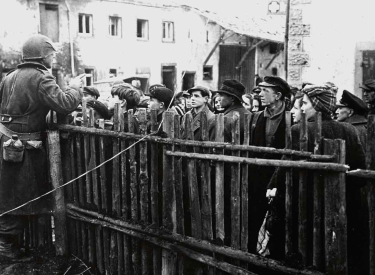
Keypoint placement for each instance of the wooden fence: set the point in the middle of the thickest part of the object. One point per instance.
(159, 207)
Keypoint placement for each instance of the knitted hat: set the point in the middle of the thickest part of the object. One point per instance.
(323, 98)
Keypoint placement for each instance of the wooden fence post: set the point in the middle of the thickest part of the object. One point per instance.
(370, 164)
(169, 258)
(335, 221)
(318, 235)
(302, 207)
(55, 171)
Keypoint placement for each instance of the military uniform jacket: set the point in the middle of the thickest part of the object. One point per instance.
(27, 94)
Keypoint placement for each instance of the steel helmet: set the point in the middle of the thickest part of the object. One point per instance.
(37, 47)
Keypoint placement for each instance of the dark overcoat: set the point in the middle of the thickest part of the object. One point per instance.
(196, 123)
(27, 94)
(360, 123)
(259, 176)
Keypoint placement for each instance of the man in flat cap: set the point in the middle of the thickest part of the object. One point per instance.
(199, 100)
(91, 92)
(231, 92)
(353, 110)
(369, 94)
(160, 99)
(267, 130)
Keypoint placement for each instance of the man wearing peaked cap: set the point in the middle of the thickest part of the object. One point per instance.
(91, 92)
(369, 94)
(267, 130)
(353, 110)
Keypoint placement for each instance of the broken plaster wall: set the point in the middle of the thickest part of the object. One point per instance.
(326, 39)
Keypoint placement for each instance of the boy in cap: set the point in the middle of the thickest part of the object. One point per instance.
(160, 100)
(199, 100)
(353, 110)
(267, 130)
(91, 92)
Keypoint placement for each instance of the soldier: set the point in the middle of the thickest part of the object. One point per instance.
(27, 94)
(353, 110)
(369, 94)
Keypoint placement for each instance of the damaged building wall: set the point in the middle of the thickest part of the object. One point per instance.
(327, 42)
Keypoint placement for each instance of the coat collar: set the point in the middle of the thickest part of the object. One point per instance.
(234, 107)
(32, 64)
(356, 119)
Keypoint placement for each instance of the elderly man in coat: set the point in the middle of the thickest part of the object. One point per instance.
(267, 130)
(353, 110)
(27, 94)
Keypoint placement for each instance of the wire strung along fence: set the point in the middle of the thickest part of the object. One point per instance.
(163, 207)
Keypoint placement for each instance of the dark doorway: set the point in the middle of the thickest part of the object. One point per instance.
(230, 56)
(169, 77)
(368, 65)
(49, 21)
(188, 80)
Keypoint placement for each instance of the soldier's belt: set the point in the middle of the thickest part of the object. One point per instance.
(22, 136)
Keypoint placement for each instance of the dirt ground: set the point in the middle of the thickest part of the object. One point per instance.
(42, 262)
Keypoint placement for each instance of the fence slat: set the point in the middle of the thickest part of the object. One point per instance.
(289, 198)
(235, 186)
(195, 208)
(155, 207)
(335, 221)
(169, 262)
(302, 207)
(61, 243)
(134, 198)
(370, 164)
(178, 183)
(219, 181)
(318, 240)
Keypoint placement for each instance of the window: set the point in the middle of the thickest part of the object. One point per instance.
(142, 29)
(168, 31)
(207, 72)
(115, 26)
(49, 21)
(273, 48)
(85, 24)
(89, 77)
(112, 72)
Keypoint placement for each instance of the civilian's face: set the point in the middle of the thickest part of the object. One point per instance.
(188, 102)
(255, 106)
(197, 100)
(217, 103)
(343, 113)
(369, 96)
(268, 96)
(246, 103)
(225, 100)
(155, 104)
(296, 111)
(307, 107)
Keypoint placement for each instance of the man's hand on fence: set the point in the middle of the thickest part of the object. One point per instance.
(271, 193)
